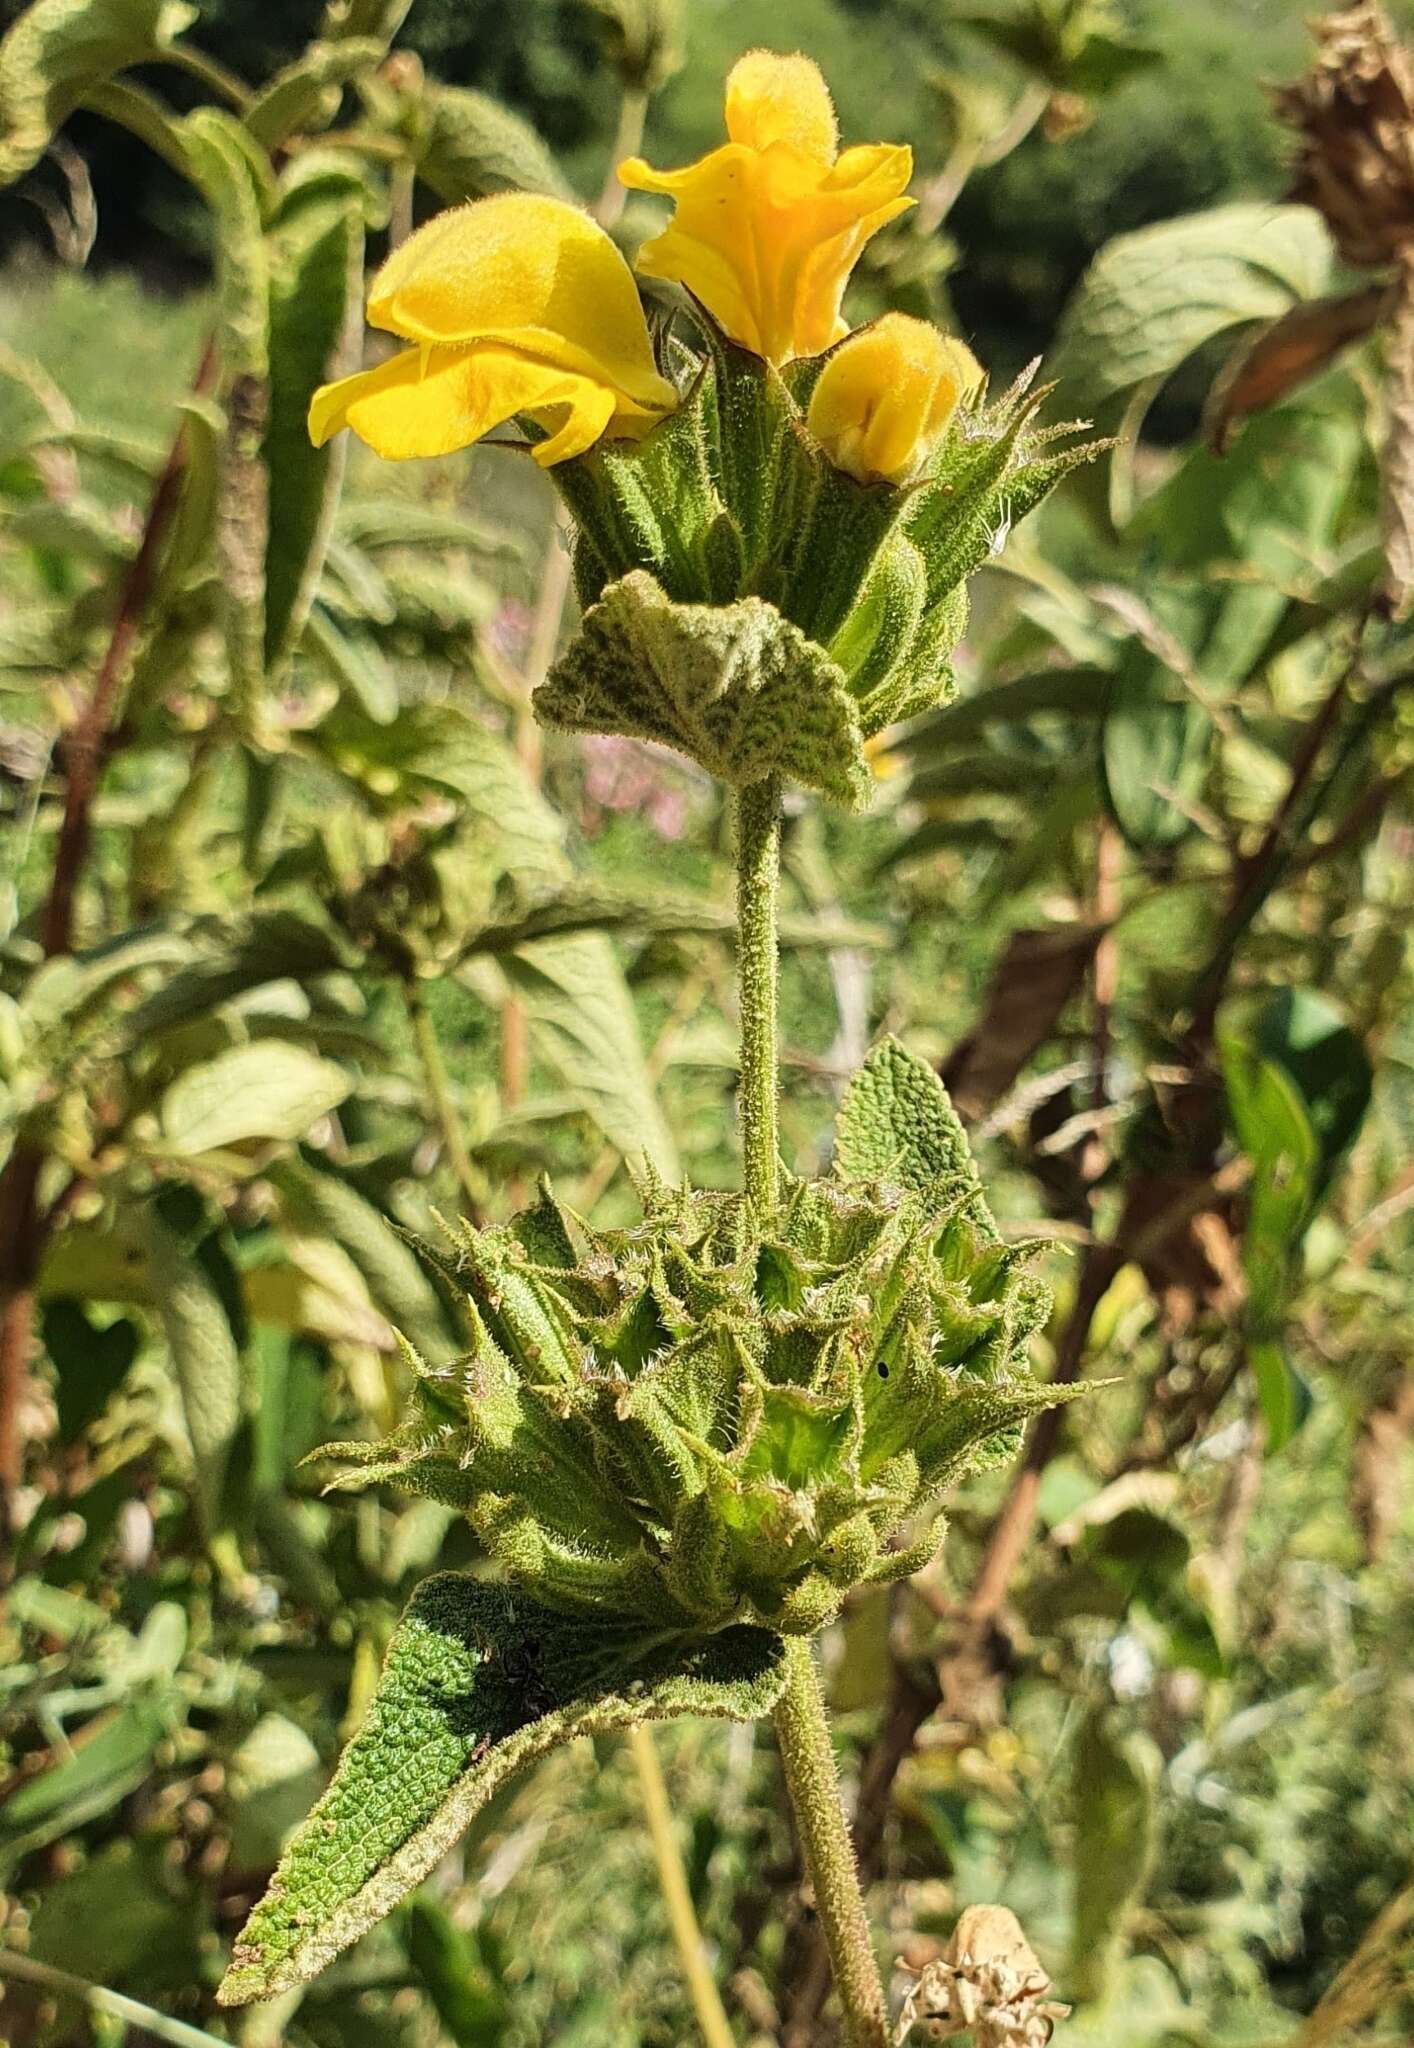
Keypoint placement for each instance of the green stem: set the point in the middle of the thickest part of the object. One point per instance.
(803, 1738)
(758, 867)
(439, 1088)
(672, 1880)
(113, 2004)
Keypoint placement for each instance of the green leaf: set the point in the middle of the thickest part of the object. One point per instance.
(191, 542)
(305, 95)
(144, 116)
(57, 49)
(1308, 1037)
(319, 1201)
(1114, 1789)
(354, 661)
(1072, 692)
(1284, 1396)
(230, 956)
(478, 1684)
(90, 1362)
(1275, 1132)
(471, 2002)
(582, 1024)
(197, 1298)
(1150, 298)
(235, 181)
(89, 1781)
(264, 1090)
(1154, 747)
(316, 286)
(1140, 1556)
(475, 146)
(897, 1124)
(736, 688)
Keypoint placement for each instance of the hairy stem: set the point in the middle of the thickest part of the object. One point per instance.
(758, 867)
(439, 1088)
(672, 1880)
(803, 1736)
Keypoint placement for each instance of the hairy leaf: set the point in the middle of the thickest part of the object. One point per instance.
(475, 147)
(897, 1124)
(478, 1684)
(736, 688)
(57, 49)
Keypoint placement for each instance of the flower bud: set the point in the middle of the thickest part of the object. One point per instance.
(884, 399)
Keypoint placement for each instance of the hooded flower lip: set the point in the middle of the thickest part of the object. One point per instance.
(516, 304)
(768, 227)
(886, 396)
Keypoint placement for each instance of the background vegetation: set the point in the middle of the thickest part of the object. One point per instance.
(347, 946)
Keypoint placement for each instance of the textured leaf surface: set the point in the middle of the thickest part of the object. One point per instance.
(58, 48)
(897, 1124)
(1150, 298)
(736, 688)
(477, 1685)
(476, 147)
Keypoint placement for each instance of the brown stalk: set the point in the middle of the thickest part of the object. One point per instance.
(23, 1227)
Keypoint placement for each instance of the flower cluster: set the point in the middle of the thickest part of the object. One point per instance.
(758, 459)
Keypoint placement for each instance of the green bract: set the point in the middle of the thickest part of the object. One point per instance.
(816, 610)
(699, 1422)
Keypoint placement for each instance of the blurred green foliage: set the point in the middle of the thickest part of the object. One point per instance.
(1155, 937)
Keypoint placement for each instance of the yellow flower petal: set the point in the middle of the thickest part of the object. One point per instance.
(532, 273)
(781, 99)
(433, 401)
(767, 228)
(884, 399)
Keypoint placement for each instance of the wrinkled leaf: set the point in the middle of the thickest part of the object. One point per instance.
(897, 1124)
(736, 688)
(477, 1685)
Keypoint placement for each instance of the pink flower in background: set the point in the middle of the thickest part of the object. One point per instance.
(626, 775)
(509, 631)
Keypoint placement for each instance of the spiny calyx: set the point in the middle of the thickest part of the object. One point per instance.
(737, 584)
(701, 1421)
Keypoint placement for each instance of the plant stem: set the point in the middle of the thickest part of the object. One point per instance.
(672, 1880)
(758, 868)
(440, 1089)
(803, 1737)
(114, 2004)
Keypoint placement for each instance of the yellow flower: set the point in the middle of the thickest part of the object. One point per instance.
(884, 399)
(767, 229)
(515, 304)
